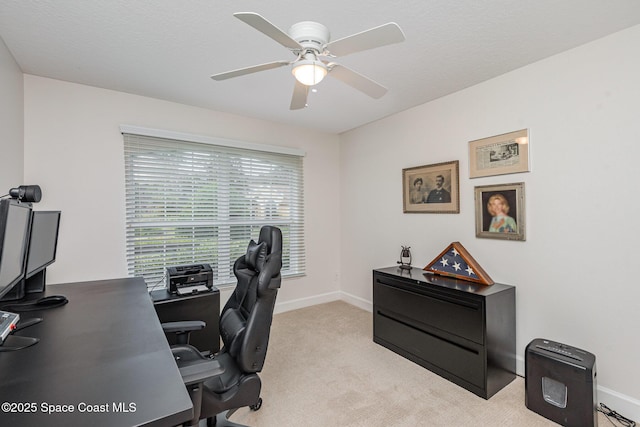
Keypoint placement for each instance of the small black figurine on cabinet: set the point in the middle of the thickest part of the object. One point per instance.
(405, 258)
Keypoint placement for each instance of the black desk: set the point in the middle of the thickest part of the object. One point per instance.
(105, 351)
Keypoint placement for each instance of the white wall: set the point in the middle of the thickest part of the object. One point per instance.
(11, 122)
(74, 151)
(575, 274)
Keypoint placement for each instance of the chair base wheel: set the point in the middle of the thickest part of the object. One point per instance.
(222, 419)
(257, 406)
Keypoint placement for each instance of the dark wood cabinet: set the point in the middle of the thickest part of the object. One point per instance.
(203, 306)
(462, 331)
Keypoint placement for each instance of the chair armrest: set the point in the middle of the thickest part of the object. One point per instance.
(200, 371)
(194, 367)
(185, 326)
(185, 354)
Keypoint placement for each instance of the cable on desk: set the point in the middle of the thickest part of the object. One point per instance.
(44, 303)
(153, 287)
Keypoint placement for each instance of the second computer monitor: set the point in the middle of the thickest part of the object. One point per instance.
(43, 243)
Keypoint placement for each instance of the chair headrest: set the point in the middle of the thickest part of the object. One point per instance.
(269, 246)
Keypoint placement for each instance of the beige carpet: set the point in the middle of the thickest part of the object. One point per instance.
(323, 369)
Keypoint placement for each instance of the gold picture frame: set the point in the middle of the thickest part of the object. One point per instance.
(500, 211)
(499, 155)
(431, 188)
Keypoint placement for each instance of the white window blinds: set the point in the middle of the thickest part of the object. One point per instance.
(193, 202)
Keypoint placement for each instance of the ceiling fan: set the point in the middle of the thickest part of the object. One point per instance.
(310, 43)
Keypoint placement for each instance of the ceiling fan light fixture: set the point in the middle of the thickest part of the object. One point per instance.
(309, 72)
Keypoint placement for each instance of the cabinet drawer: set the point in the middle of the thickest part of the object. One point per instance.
(463, 362)
(456, 316)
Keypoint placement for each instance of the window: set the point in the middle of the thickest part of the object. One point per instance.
(192, 200)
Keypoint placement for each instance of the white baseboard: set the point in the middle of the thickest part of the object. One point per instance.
(626, 406)
(520, 366)
(306, 302)
(623, 404)
(357, 301)
(321, 299)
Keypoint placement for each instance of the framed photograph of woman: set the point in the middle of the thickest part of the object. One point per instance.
(500, 211)
(431, 188)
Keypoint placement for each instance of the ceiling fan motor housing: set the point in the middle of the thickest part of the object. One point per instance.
(311, 35)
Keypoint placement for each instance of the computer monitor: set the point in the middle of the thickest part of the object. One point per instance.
(43, 242)
(15, 221)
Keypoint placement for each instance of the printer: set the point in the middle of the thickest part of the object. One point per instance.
(189, 279)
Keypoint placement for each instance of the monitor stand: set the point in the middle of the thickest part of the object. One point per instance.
(10, 324)
(15, 294)
(32, 285)
(35, 283)
(14, 343)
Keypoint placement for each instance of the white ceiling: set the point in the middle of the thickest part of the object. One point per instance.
(168, 49)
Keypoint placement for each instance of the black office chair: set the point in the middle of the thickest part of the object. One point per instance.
(245, 324)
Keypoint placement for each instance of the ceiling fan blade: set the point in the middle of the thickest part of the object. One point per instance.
(383, 35)
(267, 28)
(356, 80)
(299, 98)
(249, 70)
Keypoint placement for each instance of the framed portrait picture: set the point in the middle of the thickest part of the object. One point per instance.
(500, 211)
(499, 155)
(431, 188)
